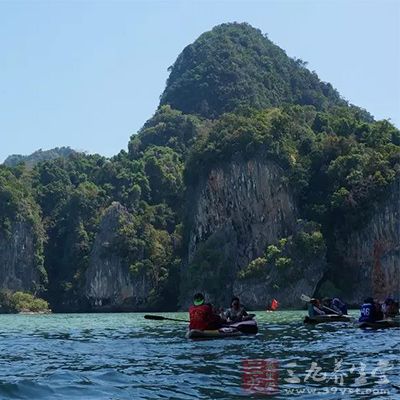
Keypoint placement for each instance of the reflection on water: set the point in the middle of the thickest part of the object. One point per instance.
(124, 356)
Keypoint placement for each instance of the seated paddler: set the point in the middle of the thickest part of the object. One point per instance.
(369, 311)
(315, 308)
(236, 312)
(202, 315)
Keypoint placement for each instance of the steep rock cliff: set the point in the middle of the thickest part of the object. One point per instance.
(240, 208)
(370, 263)
(109, 284)
(18, 263)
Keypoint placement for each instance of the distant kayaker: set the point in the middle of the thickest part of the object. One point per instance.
(273, 305)
(315, 308)
(202, 316)
(236, 312)
(370, 311)
(390, 308)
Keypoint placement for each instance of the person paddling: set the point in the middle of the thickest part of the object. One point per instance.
(339, 306)
(334, 305)
(236, 312)
(315, 308)
(202, 316)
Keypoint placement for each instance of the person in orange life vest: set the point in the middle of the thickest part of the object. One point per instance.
(202, 316)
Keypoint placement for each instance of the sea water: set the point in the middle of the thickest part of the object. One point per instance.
(124, 356)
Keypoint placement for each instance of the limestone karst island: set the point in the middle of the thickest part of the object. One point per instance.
(245, 243)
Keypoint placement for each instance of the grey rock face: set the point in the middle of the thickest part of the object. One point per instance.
(109, 284)
(247, 206)
(18, 269)
(371, 255)
(249, 199)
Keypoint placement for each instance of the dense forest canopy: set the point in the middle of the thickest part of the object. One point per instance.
(234, 66)
(231, 91)
(336, 162)
(37, 156)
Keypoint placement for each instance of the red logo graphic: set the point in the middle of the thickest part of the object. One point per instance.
(261, 376)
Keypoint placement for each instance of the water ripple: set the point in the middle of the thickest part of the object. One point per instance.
(124, 356)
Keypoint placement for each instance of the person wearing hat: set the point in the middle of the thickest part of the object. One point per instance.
(202, 316)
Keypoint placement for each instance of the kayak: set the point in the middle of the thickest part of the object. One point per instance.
(213, 334)
(248, 327)
(382, 324)
(231, 330)
(317, 319)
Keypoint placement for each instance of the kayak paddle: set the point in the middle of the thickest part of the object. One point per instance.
(308, 298)
(305, 298)
(161, 318)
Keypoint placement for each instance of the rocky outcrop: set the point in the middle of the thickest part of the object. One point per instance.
(18, 264)
(258, 294)
(240, 208)
(371, 255)
(109, 285)
(248, 198)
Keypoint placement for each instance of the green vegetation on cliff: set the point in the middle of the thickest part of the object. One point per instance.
(38, 156)
(74, 192)
(21, 302)
(338, 164)
(18, 207)
(289, 257)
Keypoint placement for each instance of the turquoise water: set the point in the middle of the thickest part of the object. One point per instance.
(124, 356)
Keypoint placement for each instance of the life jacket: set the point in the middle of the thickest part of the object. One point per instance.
(367, 313)
(274, 304)
(203, 318)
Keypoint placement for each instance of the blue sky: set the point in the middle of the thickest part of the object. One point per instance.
(89, 74)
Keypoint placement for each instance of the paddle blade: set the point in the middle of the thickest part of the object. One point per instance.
(154, 317)
(305, 298)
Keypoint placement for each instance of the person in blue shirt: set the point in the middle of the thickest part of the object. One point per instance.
(339, 306)
(369, 311)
